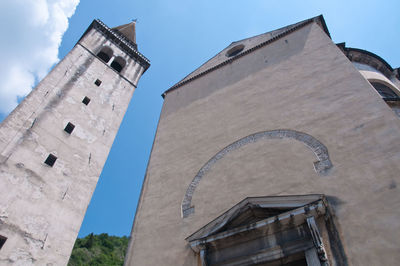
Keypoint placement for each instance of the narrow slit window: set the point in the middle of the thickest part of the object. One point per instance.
(51, 160)
(86, 101)
(69, 128)
(2, 241)
(97, 82)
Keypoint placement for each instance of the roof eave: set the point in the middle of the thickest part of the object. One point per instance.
(317, 19)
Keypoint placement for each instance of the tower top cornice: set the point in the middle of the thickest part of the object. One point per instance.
(122, 37)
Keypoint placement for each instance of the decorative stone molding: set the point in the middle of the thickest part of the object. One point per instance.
(261, 230)
(321, 166)
(317, 240)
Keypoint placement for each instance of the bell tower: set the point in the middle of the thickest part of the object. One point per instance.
(53, 146)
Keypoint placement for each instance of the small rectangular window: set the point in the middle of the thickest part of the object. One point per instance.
(51, 159)
(97, 82)
(2, 241)
(69, 128)
(86, 101)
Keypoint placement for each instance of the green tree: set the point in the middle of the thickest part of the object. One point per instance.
(99, 250)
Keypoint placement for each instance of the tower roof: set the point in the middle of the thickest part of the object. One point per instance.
(128, 30)
(243, 47)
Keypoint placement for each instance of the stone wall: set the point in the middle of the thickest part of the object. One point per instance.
(42, 207)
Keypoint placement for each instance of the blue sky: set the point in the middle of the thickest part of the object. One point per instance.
(177, 37)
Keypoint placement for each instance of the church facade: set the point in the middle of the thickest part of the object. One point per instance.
(283, 149)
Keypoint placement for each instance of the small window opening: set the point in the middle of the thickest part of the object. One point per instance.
(105, 54)
(2, 241)
(118, 64)
(69, 128)
(235, 50)
(86, 101)
(51, 159)
(97, 82)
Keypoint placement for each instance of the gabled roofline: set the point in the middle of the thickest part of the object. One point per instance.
(315, 205)
(323, 24)
(317, 19)
(287, 201)
(120, 40)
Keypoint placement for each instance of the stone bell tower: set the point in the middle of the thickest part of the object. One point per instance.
(53, 146)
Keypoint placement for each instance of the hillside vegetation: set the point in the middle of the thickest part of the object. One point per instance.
(96, 250)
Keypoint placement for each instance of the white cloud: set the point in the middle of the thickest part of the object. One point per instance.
(30, 34)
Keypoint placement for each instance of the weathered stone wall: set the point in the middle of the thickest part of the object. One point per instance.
(42, 207)
(301, 82)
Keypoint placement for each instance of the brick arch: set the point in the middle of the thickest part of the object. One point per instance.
(321, 152)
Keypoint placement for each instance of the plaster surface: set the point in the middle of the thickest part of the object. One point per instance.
(301, 82)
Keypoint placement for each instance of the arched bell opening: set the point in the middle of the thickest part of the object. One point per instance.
(105, 54)
(118, 64)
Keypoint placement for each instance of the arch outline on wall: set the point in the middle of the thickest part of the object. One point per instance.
(320, 150)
